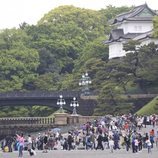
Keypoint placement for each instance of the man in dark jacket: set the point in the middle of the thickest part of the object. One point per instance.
(100, 140)
(70, 140)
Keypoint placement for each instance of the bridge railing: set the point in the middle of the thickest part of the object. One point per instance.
(26, 121)
(132, 96)
(45, 121)
(37, 94)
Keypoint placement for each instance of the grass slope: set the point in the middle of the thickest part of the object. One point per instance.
(150, 108)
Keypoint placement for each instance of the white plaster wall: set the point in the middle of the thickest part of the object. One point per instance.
(116, 50)
(136, 27)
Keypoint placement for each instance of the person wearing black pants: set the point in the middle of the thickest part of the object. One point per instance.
(140, 140)
(45, 141)
(70, 140)
(127, 142)
(100, 140)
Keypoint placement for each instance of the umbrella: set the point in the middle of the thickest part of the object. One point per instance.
(56, 130)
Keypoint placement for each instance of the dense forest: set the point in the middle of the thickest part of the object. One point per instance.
(65, 43)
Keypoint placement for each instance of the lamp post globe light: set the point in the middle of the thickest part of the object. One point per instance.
(85, 81)
(74, 104)
(61, 102)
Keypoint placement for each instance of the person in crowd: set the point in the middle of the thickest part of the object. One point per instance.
(140, 140)
(39, 142)
(20, 139)
(152, 141)
(33, 143)
(106, 141)
(127, 141)
(84, 139)
(65, 144)
(116, 139)
(148, 145)
(152, 135)
(30, 147)
(99, 142)
(133, 137)
(145, 121)
(70, 140)
(136, 143)
(111, 144)
(51, 142)
(93, 139)
(9, 142)
(89, 144)
(45, 141)
(29, 141)
(139, 123)
(153, 120)
(3, 144)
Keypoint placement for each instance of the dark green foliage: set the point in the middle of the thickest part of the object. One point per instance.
(26, 111)
(137, 70)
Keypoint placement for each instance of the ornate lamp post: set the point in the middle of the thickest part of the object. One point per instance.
(61, 102)
(74, 104)
(85, 81)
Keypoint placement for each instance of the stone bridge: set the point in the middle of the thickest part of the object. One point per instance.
(86, 106)
(48, 98)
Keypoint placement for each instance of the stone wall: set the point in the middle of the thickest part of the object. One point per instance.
(66, 119)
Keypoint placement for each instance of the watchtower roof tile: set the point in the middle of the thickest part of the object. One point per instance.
(132, 14)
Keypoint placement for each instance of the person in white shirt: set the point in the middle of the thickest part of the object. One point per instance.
(111, 144)
(148, 145)
(136, 144)
(29, 140)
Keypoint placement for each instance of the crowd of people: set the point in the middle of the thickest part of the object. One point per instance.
(108, 133)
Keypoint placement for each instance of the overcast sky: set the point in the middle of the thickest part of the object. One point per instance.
(14, 12)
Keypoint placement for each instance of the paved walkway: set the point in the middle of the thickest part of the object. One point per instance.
(85, 154)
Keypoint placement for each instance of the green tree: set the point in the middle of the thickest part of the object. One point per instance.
(18, 62)
(48, 82)
(155, 25)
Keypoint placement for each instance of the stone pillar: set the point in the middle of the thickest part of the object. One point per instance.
(73, 119)
(60, 118)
